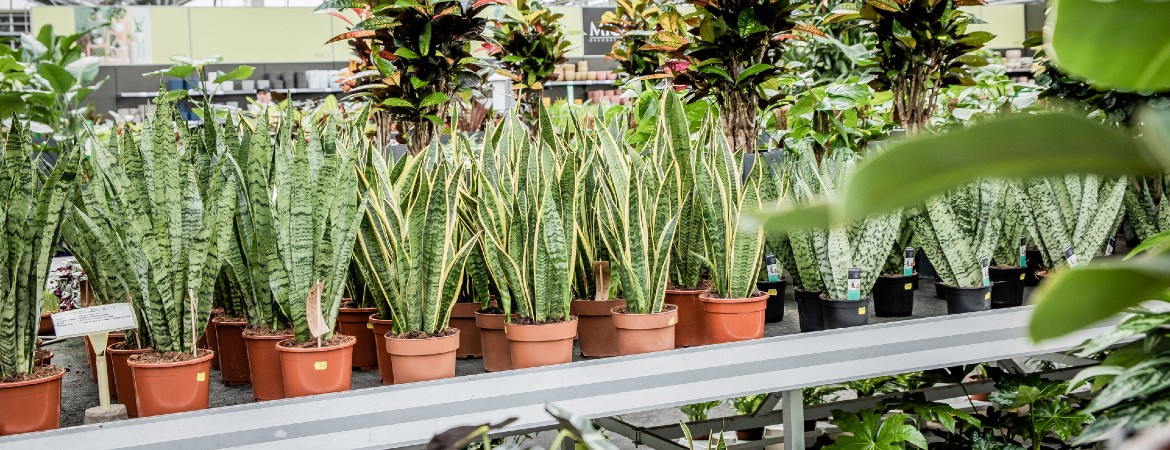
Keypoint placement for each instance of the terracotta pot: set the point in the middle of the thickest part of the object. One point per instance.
(596, 334)
(734, 319)
(28, 406)
(380, 328)
(645, 333)
(423, 359)
(470, 342)
(750, 434)
(311, 371)
(264, 366)
(541, 345)
(171, 387)
(356, 322)
(113, 338)
(232, 351)
(210, 341)
(123, 380)
(691, 329)
(497, 352)
(46, 327)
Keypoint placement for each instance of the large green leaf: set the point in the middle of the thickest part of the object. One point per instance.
(59, 78)
(239, 73)
(1072, 299)
(1120, 44)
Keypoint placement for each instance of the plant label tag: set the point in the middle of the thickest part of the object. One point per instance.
(1023, 251)
(985, 266)
(673, 320)
(316, 319)
(861, 311)
(369, 326)
(1070, 256)
(771, 292)
(201, 377)
(773, 267)
(909, 286)
(908, 262)
(853, 288)
(987, 296)
(1109, 246)
(94, 319)
(321, 365)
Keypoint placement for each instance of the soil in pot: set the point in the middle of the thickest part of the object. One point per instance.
(264, 362)
(750, 434)
(845, 313)
(808, 307)
(356, 322)
(310, 370)
(463, 319)
(497, 352)
(420, 356)
(964, 300)
(775, 290)
(734, 319)
(31, 402)
(691, 329)
(1007, 286)
(596, 334)
(42, 357)
(113, 338)
(123, 379)
(645, 333)
(542, 344)
(893, 296)
(167, 383)
(232, 350)
(379, 329)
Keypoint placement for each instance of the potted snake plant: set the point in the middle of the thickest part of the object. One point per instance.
(1009, 260)
(774, 190)
(30, 394)
(638, 224)
(1072, 218)
(893, 292)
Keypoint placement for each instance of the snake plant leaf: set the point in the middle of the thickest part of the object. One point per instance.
(1077, 211)
(1083, 39)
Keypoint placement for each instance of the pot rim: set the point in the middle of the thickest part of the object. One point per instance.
(125, 351)
(16, 384)
(897, 277)
(963, 288)
(836, 300)
(664, 311)
(375, 318)
(434, 338)
(762, 296)
(218, 320)
(189, 362)
(686, 291)
(572, 318)
(265, 337)
(357, 310)
(348, 343)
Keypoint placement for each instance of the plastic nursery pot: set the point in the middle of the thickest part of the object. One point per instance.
(123, 379)
(113, 338)
(33, 405)
(379, 328)
(497, 352)
(210, 340)
(167, 388)
(893, 296)
(356, 322)
(845, 313)
(232, 350)
(691, 329)
(808, 308)
(750, 434)
(423, 359)
(1007, 286)
(46, 326)
(964, 300)
(264, 365)
(1035, 261)
(734, 319)
(312, 371)
(775, 290)
(596, 334)
(924, 266)
(645, 333)
(542, 344)
(470, 342)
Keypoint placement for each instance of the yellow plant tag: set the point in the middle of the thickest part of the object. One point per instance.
(320, 365)
(909, 286)
(369, 325)
(673, 320)
(771, 292)
(861, 311)
(201, 376)
(1021, 276)
(987, 296)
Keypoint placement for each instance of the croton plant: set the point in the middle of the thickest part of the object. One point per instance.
(529, 44)
(635, 22)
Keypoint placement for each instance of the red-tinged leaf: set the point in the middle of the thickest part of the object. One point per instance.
(482, 3)
(781, 37)
(357, 34)
(448, 11)
(809, 28)
(342, 18)
(386, 55)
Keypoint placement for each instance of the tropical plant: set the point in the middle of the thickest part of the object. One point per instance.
(413, 57)
(1079, 212)
(699, 411)
(1143, 205)
(672, 139)
(34, 204)
(896, 261)
(529, 43)
(1015, 226)
(922, 47)
(817, 395)
(989, 93)
(1054, 416)
(46, 80)
(832, 51)
(869, 430)
(634, 22)
(185, 68)
(748, 404)
(959, 228)
(847, 115)
(571, 427)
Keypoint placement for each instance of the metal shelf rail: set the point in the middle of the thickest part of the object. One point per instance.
(408, 415)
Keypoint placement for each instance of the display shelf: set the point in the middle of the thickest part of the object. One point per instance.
(579, 83)
(194, 93)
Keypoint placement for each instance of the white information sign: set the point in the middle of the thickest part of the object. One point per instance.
(94, 319)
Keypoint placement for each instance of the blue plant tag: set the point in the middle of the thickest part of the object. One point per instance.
(773, 267)
(1023, 252)
(908, 262)
(853, 289)
(1070, 257)
(985, 266)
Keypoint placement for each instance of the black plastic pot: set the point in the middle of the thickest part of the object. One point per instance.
(938, 290)
(1007, 286)
(810, 425)
(808, 308)
(1035, 264)
(775, 290)
(964, 300)
(894, 296)
(845, 313)
(925, 268)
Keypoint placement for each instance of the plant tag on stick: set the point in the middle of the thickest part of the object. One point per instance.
(316, 319)
(1070, 257)
(908, 262)
(1110, 246)
(985, 266)
(601, 280)
(1023, 251)
(773, 267)
(853, 289)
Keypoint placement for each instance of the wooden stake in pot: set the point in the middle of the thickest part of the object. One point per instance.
(316, 318)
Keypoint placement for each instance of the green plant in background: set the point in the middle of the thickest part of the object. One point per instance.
(570, 426)
(959, 228)
(922, 47)
(34, 203)
(1015, 225)
(413, 58)
(672, 139)
(953, 424)
(748, 404)
(847, 115)
(1051, 415)
(818, 395)
(635, 22)
(46, 80)
(1081, 211)
(185, 68)
(868, 429)
(1146, 215)
(699, 411)
(529, 43)
(989, 93)
(831, 51)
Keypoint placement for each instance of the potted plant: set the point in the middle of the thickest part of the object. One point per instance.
(634, 22)
(893, 292)
(1010, 265)
(959, 231)
(225, 336)
(638, 227)
(819, 395)
(773, 191)
(353, 319)
(529, 44)
(734, 308)
(743, 406)
(409, 255)
(697, 412)
(30, 395)
(1072, 218)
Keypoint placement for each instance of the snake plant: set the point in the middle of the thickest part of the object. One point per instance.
(157, 231)
(1081, 212)
(672, 141)
(1015, 225)
(1148, 217)
(527, 213)
(34, 203)
(638, 220)
(959, 228)
(409, 247)
(824, 256)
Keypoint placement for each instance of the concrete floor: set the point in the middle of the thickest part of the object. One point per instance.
(80, 391)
